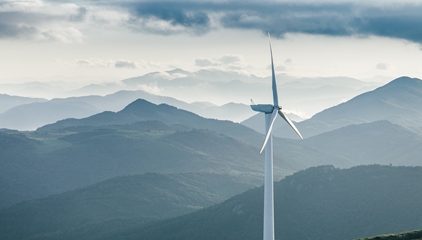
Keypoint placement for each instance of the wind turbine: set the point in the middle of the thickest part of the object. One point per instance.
(271, 112)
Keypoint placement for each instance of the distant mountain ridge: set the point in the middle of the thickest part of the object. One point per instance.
(379, 142)
(228, 89)
(7, 101)
(399, 101)
(42, 112)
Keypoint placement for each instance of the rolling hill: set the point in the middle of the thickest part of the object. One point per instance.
(411, 235)
(135, 198)
(61, 162)
(321, 203)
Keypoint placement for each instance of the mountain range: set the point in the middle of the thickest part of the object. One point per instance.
(148, 170)
(41, 112)
(384, 143)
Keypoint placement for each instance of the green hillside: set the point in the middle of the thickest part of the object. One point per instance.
(65, 161)
(138, 199)
(319, 203)
(411, 235)
(20, 167)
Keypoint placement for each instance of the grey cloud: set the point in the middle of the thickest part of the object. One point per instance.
(280, 68)
(13, 31)
(79, 16)
(203, 62)
(227, 59)
(288, 61)
(125, 64)
(383, 66)
(29, 25)
(400, 20)
(176, 13)
(395, 20)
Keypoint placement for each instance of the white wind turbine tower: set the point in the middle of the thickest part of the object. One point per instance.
(271, 112)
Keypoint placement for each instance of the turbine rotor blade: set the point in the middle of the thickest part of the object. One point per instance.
(273, 117)
(274, 83)
(284, 116)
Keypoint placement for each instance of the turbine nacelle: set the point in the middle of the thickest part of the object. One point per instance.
(264, 108)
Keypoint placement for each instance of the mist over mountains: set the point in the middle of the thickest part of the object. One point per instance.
(85, 176)
(303, 96)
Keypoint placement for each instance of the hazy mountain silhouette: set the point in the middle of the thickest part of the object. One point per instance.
(308, 95)
(305, 95)
(33, 115)
(7, 102)
(58, 108)
(380, 142)
(399, 101)
(78, 107)
(321, 203)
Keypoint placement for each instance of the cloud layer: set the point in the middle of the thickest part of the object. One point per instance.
(58, 21)
(395, 20)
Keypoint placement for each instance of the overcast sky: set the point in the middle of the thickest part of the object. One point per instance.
(122, 39)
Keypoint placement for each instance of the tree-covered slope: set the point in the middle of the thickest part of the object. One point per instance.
(64, 161)
(411, 235)
(318, 203)
(136, 198)
(20, 168)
